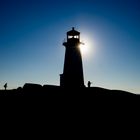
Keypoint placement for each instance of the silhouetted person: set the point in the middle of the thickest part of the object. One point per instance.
(89, 84)
(5, 86)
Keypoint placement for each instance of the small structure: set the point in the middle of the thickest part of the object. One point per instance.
(89, 84)
(5, 86)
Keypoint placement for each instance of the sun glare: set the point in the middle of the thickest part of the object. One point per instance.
(85, 46)
(84, 49)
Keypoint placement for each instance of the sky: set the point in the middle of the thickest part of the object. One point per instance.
(32, 33)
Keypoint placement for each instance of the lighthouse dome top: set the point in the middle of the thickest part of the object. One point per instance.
(73, 32)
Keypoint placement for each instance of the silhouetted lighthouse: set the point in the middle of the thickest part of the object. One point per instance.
(73, 68)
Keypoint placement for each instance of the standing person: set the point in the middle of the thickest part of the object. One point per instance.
(89, 84)
(5, 86)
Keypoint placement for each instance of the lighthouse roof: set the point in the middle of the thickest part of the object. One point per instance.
(73, 32)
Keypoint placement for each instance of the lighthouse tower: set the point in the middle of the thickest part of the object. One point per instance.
(73, 68)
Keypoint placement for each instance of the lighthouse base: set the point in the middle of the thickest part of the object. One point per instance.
(71, 82)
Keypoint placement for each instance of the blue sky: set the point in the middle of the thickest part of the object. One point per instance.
(32, 32)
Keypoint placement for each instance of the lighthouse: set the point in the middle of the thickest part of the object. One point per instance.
(72, 75)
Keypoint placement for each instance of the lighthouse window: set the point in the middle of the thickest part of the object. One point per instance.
(70, 36)
(76, 36)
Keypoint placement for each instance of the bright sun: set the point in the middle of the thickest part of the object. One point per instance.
(85, 47)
